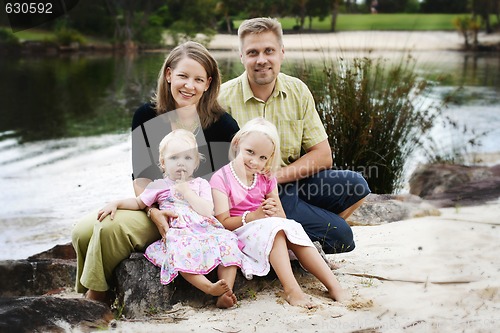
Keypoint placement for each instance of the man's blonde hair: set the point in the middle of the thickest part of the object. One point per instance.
(266, 129)
(259, 25)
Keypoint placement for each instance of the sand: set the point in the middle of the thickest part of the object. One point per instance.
(431, 274)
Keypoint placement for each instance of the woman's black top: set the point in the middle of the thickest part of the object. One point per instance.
(148, 130)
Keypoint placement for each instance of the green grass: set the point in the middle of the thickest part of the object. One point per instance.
(35, 35)
(406, 22)
(47, 35)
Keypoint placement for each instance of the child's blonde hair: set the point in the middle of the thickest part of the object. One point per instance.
(183, 135)
(265, 128)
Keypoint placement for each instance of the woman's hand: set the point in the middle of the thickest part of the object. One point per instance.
(162, 218)
(109, 209)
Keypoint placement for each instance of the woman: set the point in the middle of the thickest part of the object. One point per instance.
(186, 97)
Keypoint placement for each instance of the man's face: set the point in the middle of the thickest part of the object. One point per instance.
(262, 55)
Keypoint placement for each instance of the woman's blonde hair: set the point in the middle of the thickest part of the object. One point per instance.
(209, 110)
(183, 135)
(268, 130)
(259, 25)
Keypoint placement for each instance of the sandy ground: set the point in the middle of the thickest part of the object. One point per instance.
(432, 274)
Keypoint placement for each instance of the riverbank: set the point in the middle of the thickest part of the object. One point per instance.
(367, 40)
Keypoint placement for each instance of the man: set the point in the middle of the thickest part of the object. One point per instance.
(312, 194)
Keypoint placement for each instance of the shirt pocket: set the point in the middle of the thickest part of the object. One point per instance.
(291, 133)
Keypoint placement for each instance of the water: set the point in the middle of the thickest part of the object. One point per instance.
(65, 143)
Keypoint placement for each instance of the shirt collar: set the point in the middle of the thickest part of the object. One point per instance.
(248, 93)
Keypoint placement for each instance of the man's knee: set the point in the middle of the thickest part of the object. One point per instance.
(339, 240)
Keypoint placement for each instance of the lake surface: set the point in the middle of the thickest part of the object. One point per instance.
(64, 130)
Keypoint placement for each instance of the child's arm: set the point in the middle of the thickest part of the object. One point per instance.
(129, 203)
(221, 202)
(200, 205)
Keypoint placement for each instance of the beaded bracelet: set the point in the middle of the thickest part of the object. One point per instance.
(244, 217)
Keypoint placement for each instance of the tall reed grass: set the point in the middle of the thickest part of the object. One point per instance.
(375, 113)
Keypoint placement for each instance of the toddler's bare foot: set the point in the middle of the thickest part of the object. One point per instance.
(227, 300)
(299, 298)
(218, 288)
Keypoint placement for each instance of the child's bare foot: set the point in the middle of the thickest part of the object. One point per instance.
(339, 295)
(299, 298)
(227, 300)
(218, 288)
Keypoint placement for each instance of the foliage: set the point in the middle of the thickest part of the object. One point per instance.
(66, 36)
(374, 113)
(7, 37)
(194, 20)
(92, 17)
(182, 31)
(444, 6)
(469, 28)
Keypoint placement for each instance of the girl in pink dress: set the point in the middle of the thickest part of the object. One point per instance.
(246, 201)
(195, 242)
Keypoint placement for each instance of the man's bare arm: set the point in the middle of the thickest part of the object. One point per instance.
(317, 158)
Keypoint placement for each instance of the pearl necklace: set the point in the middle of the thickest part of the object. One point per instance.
(248, 188)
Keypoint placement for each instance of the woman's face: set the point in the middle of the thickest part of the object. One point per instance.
(188, 81)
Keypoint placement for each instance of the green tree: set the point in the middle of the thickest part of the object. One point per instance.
(92, 17)
(483, 9)
(317, 8)
(228, 8)
(334, 12)
(273, 8)
(193, 18)
(135, 21)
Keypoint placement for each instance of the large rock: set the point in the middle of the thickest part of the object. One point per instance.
(384, 208)
(40, 274)
(138, 287)
(140, 293)
(451, 185)
(51, 314)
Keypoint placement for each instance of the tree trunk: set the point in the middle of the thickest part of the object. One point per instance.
(228, 22)
(335, 12)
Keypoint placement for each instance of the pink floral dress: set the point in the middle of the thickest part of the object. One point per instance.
(194, 244)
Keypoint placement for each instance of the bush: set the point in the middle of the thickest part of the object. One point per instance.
(182, 31)
(66, 36)
(375, 115)
(7, 37)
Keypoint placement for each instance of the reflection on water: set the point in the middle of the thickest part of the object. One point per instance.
(65, 143)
